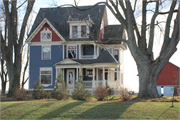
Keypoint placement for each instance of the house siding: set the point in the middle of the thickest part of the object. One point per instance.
(36, 62)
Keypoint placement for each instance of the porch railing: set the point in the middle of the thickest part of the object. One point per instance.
(97, 83)
(88, 84)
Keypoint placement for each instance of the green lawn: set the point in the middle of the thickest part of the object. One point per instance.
(73, 109)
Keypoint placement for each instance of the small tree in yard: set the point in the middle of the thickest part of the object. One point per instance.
(101, 93)
(19, 93)
(80, 92)
(125, 93)
(38, 91)
(60, 91)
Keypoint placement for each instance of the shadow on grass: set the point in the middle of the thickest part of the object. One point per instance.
(164, 112)
(56, 113)
(12, 106)
(110, 110)
(37, 109)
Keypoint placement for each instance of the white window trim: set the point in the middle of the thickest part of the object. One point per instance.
(46, 69)
(86, 31)
(46, 30)
(78, 24)
(77, 32)
(87, 70)
(42, 52)
(67, 51)
(118, 54)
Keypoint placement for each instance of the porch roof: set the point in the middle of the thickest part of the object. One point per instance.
(104, 57)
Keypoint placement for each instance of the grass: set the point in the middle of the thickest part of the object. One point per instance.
(73, 109)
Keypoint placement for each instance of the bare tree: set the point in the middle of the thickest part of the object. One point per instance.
(12, 42)
(141, 45)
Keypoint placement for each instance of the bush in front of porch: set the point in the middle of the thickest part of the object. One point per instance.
(60, 91)
(80, 92)
(101, 93)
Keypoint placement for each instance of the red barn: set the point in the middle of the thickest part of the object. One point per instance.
(168, 79)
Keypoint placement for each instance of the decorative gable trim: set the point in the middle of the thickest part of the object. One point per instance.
(66, 61)
(39, 28)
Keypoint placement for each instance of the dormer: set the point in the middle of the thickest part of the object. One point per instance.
(79, 27)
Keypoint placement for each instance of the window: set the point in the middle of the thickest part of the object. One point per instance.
(83, 31)
(46, 52)
(46, 35)
(46, 76)
(89, 72)
(72, 52)
(74, 31)
(70, 78)
(115, 76)
(116, 54)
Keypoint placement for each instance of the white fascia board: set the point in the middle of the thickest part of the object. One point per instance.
(38, 29)
(67, 66)
(46, 43)
(78, 42)
(66, 61)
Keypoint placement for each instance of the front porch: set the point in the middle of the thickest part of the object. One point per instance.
(92, 77)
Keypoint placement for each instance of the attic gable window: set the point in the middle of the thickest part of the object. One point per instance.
(46, 35)
(83, 31)
(74, 31)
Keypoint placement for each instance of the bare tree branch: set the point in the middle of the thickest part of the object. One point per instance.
(142, 42)
(167, 28)
(151, 38)
(28, 11)
(22, 4)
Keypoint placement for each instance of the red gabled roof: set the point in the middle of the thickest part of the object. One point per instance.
(169, 75)
(55, 37)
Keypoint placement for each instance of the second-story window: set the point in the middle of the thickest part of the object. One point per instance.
(46, 52)
(83, 31)
(72, 52)
(116, 54)
(74, 31)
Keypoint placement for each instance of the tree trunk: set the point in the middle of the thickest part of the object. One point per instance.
(148, 75)
(3, 88)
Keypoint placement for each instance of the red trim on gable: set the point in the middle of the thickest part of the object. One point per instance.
(169, 75)
(37, 37)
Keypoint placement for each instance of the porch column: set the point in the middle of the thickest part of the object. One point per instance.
(63, 73)
(103, 81)
(79, 51)
(77, 74)
(56, 72)
(93, 81)
(97, 47)
(97, 77)
(63, 51)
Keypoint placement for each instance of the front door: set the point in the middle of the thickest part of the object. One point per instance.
(70, 78)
